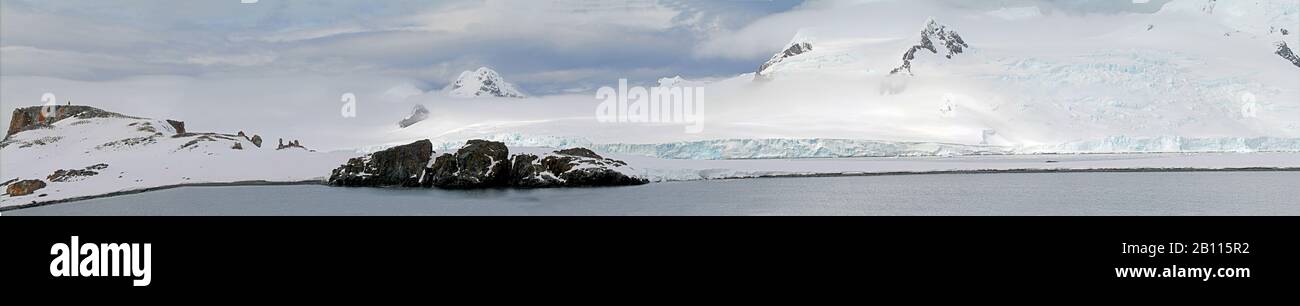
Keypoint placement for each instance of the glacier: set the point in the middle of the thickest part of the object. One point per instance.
(801, 148)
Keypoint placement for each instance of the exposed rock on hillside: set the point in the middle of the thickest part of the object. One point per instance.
(796, 47)
(1286, 53)
(70, 175)
(949, 40)
(290, 145)
(179, 126)
(24, 187)
(33, 117)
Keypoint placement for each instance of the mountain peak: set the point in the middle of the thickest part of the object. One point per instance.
(930, 32)
(483, 82)
(799, 45)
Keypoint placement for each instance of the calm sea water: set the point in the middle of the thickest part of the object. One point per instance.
(1162, 193)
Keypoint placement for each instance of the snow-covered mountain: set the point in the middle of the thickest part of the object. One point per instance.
(1181, 79)
(951, 43)
(1260, 22)
(483, 82)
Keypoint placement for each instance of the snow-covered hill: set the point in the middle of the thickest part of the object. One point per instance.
(483, 82)
(96, 152)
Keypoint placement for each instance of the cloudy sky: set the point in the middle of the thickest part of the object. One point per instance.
(546, 46)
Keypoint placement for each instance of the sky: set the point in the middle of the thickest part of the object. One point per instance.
(545, 46)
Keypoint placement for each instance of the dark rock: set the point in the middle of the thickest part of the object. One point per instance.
(598, 177)
(67, 175)
(24, 187)
(30, 143)
(577, 167)
(584, 152)
(178, 125)
(257, 141)
(290, 145)
(397, 166)
(205, 137)
(1286, 53)
(238, 146)
(525, 172)
(478, 164)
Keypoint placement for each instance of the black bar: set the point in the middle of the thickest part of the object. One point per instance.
(1039, 253)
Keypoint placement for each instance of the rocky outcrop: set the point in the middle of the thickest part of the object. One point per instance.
(179, 126)
(419, 113)
(1286, 53)
(481, 164)
(796, 47)
(577, 167)
(24, 187)
(199, 138)
(290, 145)
(397, 166)
(478, 164)
(33, 117)
(933, 30)
(257, 141)
(69, 175)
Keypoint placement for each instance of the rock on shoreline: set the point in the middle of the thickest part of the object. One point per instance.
(397, 166)
(481, 164)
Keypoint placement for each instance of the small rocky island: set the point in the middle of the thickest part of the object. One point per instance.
(481, 164)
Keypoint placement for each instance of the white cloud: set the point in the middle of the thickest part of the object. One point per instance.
(250, 59)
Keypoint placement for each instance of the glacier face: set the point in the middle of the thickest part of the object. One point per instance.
(796, 148)
(1171, 144)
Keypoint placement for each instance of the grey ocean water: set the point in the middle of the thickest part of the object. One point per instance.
(1146, 193)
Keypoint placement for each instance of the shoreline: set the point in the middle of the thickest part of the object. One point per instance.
(768, 176)
(174, 186)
